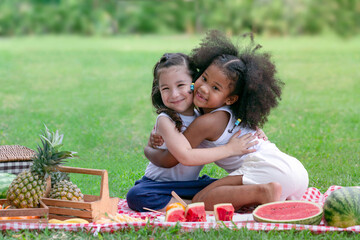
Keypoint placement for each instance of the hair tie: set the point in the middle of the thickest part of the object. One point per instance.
(236, 124)
(192, 86)
(164, 58)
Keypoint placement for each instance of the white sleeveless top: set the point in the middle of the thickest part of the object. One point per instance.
(230, 164)
(178, 172)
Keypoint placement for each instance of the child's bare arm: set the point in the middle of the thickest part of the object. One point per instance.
(202, 128)
(195, 134)
(155, 140)
(209, 126)
(260, 134)
(160, 157)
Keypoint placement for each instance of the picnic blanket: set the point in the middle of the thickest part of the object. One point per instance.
(312, 195)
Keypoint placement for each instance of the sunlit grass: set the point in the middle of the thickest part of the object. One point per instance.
(97, 92)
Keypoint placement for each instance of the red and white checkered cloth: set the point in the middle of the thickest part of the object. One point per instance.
(312, 195)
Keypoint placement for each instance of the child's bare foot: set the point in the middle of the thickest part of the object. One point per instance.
(272, 192)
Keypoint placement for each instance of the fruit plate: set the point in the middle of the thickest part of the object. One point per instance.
(210, 218)
(93, 207)
(27, 215)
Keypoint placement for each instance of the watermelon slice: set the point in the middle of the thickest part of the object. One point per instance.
(195, 212)
(296, 212)
(175, 215)
(224, 211)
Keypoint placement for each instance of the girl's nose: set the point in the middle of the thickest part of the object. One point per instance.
(203, 88)
(175, 93)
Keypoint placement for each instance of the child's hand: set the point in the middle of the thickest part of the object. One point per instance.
(155, 140)
(260, 134)
(240, 146)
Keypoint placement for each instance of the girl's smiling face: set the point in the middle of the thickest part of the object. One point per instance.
(174, 86)
(213, 90)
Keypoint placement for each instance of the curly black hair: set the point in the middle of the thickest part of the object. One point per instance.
(166, 61)
(253, 73)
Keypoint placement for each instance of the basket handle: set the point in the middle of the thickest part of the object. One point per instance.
(104, 189)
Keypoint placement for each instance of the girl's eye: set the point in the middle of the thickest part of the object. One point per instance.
(181, 85)
(163, 89)
(203, 78)
(215, 87)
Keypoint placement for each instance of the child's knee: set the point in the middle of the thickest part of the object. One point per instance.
(198, 197)
(131, 194)
(139, 197)
(133, 199)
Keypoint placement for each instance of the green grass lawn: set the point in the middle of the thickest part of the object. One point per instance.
(97, 92)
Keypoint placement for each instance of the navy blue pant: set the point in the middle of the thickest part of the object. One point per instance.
(156, 195)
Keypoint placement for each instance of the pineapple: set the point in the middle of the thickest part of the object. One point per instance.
(29, 186)
(58, 176)
(66, 190)
(62, 188)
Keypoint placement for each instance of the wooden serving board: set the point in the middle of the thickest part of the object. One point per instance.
(39, 215)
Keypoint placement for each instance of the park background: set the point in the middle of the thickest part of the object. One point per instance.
(85, 68)
(110, 17)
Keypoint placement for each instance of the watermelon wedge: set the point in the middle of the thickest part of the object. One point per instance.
(195, 212)
(224, 211)
(296, 212)
(175, 215)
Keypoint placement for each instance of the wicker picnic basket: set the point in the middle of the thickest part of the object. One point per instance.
(92, 208)
(15, 158)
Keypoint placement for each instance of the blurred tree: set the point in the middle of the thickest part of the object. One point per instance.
(111, 17)
(342, 16)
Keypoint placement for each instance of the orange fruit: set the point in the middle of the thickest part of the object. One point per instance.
(175, 205)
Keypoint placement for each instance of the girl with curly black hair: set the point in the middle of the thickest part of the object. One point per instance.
(235, 92)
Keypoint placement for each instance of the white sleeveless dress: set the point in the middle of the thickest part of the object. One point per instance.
(267, 164)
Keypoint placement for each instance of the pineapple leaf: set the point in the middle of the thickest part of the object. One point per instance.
(53, 138)
(64, 155)
(48, 155)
